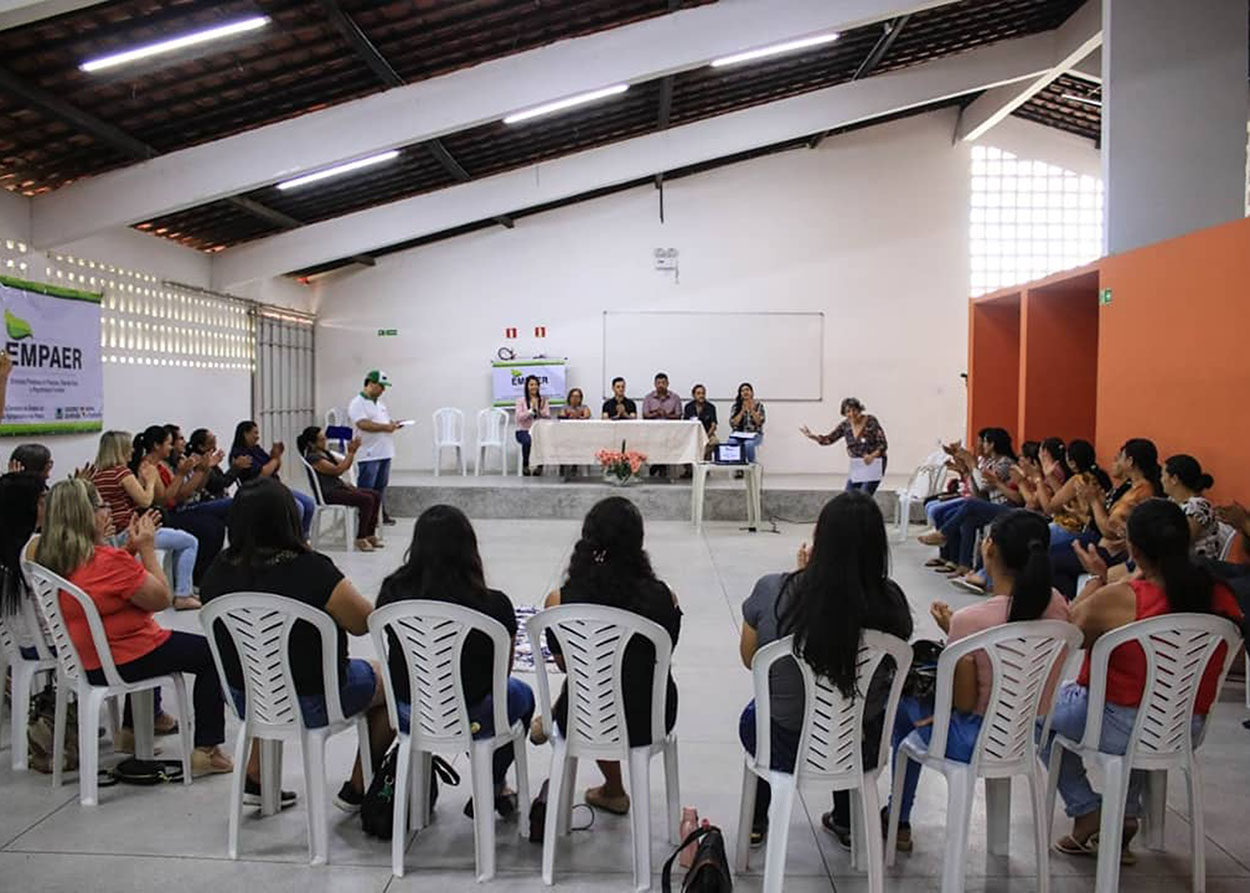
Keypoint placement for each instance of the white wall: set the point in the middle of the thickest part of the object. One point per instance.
(870, 228)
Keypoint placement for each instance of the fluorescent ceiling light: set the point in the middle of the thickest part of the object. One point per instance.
(339, 169)
(775, 50)
(1072, 97)
(562, 104)
(177, 43)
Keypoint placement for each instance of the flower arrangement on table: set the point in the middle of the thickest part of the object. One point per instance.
(622, 465)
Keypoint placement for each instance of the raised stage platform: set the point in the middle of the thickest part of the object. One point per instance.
(786, 497)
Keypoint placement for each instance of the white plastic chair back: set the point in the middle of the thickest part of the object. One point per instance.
(925, 481)
(1178, 649)
(1228, 536)
(332, 417)
(314, 483)
(829, 746)
(448, 427)
(593, 639)
(47, 586)
(260, 625)
(431, 636)
(1022, 657)
(491, 425)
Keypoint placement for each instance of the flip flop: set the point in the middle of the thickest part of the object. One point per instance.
(187, 603)
(615, 805)
(1073, 847)
(935, 562)
(968, 585)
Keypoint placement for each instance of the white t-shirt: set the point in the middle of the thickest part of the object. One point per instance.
(373, 444)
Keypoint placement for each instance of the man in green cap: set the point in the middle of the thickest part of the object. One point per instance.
(377, 442)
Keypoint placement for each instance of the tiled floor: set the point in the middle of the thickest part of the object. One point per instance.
(174, 838)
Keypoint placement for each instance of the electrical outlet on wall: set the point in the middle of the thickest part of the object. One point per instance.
(666, 258)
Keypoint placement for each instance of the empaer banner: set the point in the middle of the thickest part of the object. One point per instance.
(508, 379)
(52, 335)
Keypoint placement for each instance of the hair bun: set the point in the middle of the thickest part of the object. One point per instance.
(1206, 482)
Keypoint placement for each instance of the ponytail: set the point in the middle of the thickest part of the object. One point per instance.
(1159, 533)
(1022, 539)
(1085, 460)
(146, 441)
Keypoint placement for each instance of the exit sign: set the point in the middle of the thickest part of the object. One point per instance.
(388, 333)
(1104, 297)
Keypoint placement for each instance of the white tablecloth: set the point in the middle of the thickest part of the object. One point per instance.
(569, 442)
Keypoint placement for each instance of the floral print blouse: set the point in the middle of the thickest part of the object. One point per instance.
(871, 438)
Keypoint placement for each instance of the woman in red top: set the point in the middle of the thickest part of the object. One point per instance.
(1158, 541)
(126, 593)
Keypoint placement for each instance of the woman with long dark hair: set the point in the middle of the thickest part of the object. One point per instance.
(1169, 582)
(842, 587)
(1016, 558)
(182, 476)
(21, 504)
(1068, 511)
(268, 553)
(610, 567)
(312, 445)
(266, 464)
(443, 564)
(747, 417)
(530, 405)
(1137, 469)
(1184, 482)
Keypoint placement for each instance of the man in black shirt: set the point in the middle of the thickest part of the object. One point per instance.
(619, 407)
(699, 408)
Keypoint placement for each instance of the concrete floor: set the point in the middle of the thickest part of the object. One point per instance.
(173, 837)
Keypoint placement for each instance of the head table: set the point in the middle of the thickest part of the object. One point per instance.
(575, 442)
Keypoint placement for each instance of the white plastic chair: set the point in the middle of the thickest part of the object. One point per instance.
(71, 673)
(344, 517)
(1178, 649)
(448, 434)
(593, 639)
(259, 624)
(431, 636)
(1228, 536)
(830, 752)
(19, 630)
(925, 481)
(492, 431)
(1022, 658)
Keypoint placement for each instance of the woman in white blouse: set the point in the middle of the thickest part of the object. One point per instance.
(530, 405)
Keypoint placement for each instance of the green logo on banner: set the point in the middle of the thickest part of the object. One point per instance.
(17, 327)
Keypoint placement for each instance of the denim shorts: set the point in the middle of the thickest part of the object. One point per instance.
(359, 683)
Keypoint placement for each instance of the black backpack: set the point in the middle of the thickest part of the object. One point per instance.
(377, 810)
(710, 871)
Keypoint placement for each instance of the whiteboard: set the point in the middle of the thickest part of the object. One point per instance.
(780, 354)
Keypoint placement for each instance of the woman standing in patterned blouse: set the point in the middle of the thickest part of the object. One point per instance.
(864, 436)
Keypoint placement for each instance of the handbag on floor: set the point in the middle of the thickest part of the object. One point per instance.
(144, 773)
(921, 681)
(40, 730)
(377, 810)
(710, 871)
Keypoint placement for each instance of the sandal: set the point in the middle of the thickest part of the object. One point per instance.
(187, 603)
(164, 724)
(935, 562)
(615, 805)
(505, 804)
(1089, 847)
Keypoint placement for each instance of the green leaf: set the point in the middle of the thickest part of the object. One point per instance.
(17, 327)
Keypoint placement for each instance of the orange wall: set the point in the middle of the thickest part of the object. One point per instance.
(1174, 352)
(994, 364)
(1059, 360)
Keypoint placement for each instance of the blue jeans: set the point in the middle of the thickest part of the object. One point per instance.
(749, 447)
(359, 684)
(524, 439)
(939, 510)
(183, 546)
(961, 740)
(482, 716)
(375, 474)
(1065, 565)
(306, 508)
(1068, 718)
(962, 525)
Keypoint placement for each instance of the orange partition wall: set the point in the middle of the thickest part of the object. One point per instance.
(1174, 351)
(994, 363)
(1059, 357)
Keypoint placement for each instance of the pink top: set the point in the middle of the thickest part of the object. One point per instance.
(525, 416)
(993, 612)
